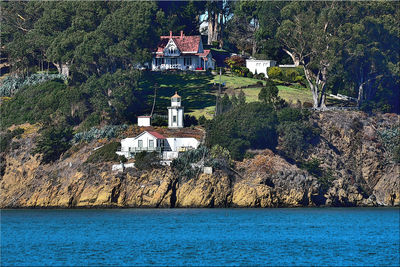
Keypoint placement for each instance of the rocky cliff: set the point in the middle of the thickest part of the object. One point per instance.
(363, 174)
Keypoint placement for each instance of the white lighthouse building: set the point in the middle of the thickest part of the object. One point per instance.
(175, 112)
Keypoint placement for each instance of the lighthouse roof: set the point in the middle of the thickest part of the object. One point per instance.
(176, 95)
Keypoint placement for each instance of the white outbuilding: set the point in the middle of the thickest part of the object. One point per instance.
(259, 66)
(144, 121)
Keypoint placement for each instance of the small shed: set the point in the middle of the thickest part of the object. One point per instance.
(144, 121)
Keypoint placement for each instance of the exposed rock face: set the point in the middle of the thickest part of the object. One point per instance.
(365, 176)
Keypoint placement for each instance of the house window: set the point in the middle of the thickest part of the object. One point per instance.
(187, 61)
(173, 118)
(140, 143)
(151, 143)
(174, 61)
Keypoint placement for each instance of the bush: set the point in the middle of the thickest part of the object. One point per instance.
(108, 131)
(251, 125)
(250, 74)
(292, 114)
(53, 142)
(189, 120)
(12, 85)
(274, 73)
(147, 161)
(202, 120)
(296, 137)
(6, 138)
(106, 153)
(159, 121)
(46, 102)
(235, 61)
(313, 167)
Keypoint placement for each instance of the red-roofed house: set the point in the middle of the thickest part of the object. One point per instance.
(182, 52)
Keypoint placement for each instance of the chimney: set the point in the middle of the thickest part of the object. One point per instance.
(170, 34)
(181, 34)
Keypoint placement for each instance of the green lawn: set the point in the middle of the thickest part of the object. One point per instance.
(287, 93)
(198, 92)
(234, 81)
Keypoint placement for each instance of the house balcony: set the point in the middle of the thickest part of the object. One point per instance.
(135, 150)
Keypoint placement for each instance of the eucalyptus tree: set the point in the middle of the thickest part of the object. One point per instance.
(309, 33)
(370, 55)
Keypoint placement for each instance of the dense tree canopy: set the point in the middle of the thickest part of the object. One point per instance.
(346, 47)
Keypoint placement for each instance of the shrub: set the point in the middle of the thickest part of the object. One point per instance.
(274, 73)
(106, 153)
(108, 131)
(189, 120)
(159, 121)
(11, 85)
(53, 142)
(313, 167)
(292, 114)
(296, 137)
(250, 75)
(147, 161)
(235, 61)
(6, 138)
(202, 120)
(251, 125)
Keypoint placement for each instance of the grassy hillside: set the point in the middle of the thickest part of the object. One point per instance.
(198, 92)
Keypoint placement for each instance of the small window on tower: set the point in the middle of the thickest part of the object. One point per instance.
(173, 118)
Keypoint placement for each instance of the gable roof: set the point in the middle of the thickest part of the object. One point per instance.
(155, 134)
(186, 44)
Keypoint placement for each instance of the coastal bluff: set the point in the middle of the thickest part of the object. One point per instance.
(364, 175)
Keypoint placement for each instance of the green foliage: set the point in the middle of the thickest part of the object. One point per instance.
(50, 101)
(147, 160)
(202, 120)
(5, 138)
(296, 134)
(269, 93)
(53, 142)
(106, 153)
(292, 114)
(189, 120)
(241, 71)
(251, 125)
(274, 73)
(183, 165)
(235, 62)
(324, 177)
(159, 121)
(11, 85)
(108, 131)
(390, 139)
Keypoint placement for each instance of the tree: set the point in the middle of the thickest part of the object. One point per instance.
(53, 142)
(217, 15)
(269, 93)
(147, 160)
(309, 33)
(251, 125)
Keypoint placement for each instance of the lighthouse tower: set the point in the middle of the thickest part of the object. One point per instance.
(175, 112)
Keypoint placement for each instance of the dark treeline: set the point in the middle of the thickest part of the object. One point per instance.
(346, 47)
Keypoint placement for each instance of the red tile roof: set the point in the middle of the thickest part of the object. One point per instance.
(185, 43)
(157, 135)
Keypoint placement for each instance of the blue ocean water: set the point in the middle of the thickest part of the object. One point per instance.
(309, 236)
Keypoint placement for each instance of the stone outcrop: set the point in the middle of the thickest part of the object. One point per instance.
(364, 176)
